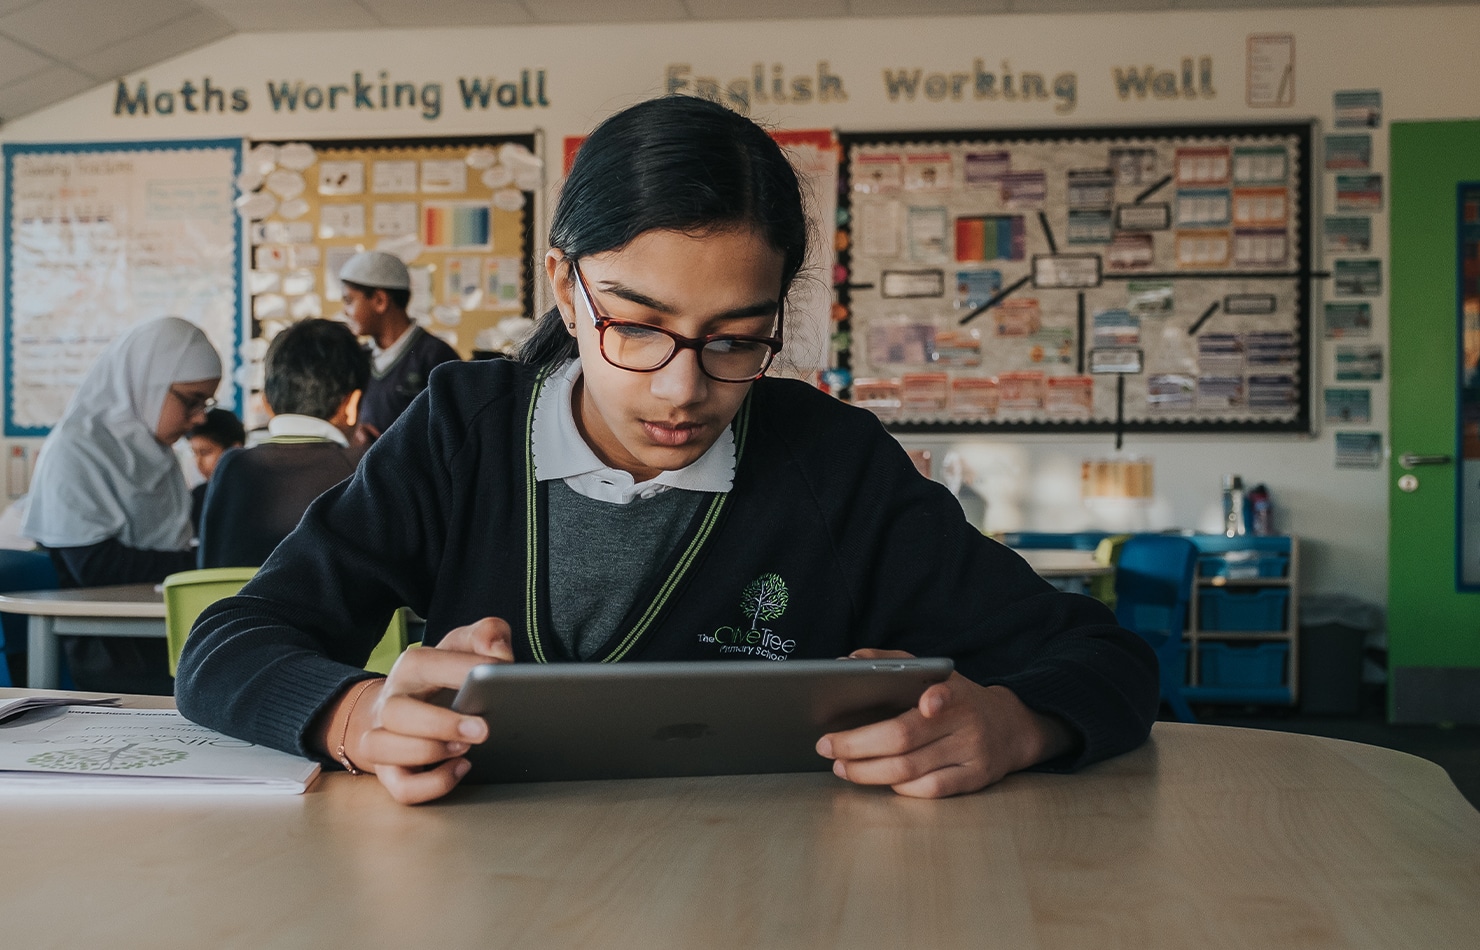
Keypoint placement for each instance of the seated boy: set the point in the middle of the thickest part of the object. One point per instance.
(222, 430)
(315, 373)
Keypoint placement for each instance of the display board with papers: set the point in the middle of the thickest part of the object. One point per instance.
(1095, 279)
(101, 236)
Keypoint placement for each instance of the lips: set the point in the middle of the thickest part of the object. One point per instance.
(672, 433)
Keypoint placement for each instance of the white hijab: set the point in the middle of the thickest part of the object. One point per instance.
(101, 473)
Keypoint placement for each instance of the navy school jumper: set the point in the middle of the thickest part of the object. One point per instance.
(829, 541)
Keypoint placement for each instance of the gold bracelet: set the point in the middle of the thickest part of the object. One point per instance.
(339, 753)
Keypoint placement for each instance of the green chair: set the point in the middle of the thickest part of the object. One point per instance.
(188, 593)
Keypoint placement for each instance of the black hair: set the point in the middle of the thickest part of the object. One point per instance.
(312, 366)
(221, 427)
(677, 163)
(400, 296)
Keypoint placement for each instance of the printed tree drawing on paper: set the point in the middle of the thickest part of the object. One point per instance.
(764, 599)
(103, 758)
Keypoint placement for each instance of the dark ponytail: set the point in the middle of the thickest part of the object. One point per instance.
(678, 163)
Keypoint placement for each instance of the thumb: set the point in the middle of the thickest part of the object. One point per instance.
(490, 637)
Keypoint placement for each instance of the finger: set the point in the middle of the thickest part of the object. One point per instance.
(410, 786)
(381, 747)
(942, 783)
(490, 637)
(409, 716)
(897, 736)
(897, 769)
(421, 672)
(934, 700)
(869, 653)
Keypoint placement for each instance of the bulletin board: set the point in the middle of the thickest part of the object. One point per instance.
(100, 236)
(1095, 279)
(459, 211)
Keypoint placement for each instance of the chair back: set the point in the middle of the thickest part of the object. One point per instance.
(21, 570)
(188, 593)
(1153, 585)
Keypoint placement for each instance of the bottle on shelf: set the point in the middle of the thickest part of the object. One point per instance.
(1234, 520)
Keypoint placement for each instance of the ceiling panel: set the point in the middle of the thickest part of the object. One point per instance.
(17, 62)
(605, 11)
(447, 12)
(277, 16)
(52, 84)
(766, 9)
(926, 7)
(69, 28)
(171, 39)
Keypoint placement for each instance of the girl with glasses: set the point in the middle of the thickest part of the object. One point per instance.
(109, 501)
(635, 487)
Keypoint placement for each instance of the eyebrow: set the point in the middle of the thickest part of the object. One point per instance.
(765, 308)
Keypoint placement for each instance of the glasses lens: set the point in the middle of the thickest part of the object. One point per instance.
(636, 347)
(736, 360)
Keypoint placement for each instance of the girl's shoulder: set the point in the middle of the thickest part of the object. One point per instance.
(810, 413)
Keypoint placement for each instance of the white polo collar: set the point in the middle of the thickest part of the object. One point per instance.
(560, 452)
(305, 427)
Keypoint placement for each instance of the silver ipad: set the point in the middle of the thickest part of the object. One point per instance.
(639, 720)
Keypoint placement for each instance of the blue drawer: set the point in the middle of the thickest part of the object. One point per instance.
(1252, 609)
(1242, 665)
(1240, 565)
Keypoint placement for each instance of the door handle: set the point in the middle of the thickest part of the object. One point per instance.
(1414, 460)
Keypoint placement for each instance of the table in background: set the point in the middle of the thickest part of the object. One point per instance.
(125, 610)
(1064, 562)
(1207, 836)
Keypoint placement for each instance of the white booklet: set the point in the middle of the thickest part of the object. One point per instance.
(158, 751)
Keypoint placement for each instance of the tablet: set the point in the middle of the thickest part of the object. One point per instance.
(640, 720)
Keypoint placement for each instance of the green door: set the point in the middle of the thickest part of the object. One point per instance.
(1433, 600)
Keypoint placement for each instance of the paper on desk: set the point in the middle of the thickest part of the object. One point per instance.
(157, 751)
(11, 708)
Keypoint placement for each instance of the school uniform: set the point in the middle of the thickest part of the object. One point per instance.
(257, 495)
(827, 541)
(398, 373)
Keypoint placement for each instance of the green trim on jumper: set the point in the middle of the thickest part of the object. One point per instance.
(531, 540)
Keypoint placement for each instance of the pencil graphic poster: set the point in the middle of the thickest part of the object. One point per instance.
(456, 225)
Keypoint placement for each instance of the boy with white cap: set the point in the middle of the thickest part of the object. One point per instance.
(377, 288)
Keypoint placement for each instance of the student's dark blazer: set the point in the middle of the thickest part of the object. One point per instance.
(257, 496)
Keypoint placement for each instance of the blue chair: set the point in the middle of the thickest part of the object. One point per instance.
(1153, 585)
(21, 570)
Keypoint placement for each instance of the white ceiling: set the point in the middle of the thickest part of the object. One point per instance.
(53, 49)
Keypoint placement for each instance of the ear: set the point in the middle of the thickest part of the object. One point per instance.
(380, 301)
(347, 416)
(562, 284)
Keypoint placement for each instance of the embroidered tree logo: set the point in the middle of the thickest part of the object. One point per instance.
(102, 758)
(764, 599)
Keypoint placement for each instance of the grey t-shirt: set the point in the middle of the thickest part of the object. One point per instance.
(603, 555)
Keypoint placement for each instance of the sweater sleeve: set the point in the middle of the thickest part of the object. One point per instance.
(926, 581)
(264, 664)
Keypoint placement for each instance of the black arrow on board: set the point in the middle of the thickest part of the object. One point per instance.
(997, 298)
(1153, 189)
(1053, 247)
(1197, 324)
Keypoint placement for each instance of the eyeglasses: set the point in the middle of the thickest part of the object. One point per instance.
(644, 348)
(194, 404)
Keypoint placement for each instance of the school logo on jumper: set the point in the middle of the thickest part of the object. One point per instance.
(763, 601)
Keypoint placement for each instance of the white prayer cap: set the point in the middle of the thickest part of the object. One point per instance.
(376, 269)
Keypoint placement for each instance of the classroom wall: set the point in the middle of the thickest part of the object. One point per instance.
(862, 74)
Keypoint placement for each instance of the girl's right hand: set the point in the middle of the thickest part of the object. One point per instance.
(412, 745)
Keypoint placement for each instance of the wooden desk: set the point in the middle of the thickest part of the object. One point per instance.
(126, 610)
(1064, 562)
(1207, 837)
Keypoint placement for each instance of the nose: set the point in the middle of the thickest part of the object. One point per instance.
(682, 382)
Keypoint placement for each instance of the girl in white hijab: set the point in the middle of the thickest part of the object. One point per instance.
(109, 501)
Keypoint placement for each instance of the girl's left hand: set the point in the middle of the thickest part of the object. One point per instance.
(959, 738)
